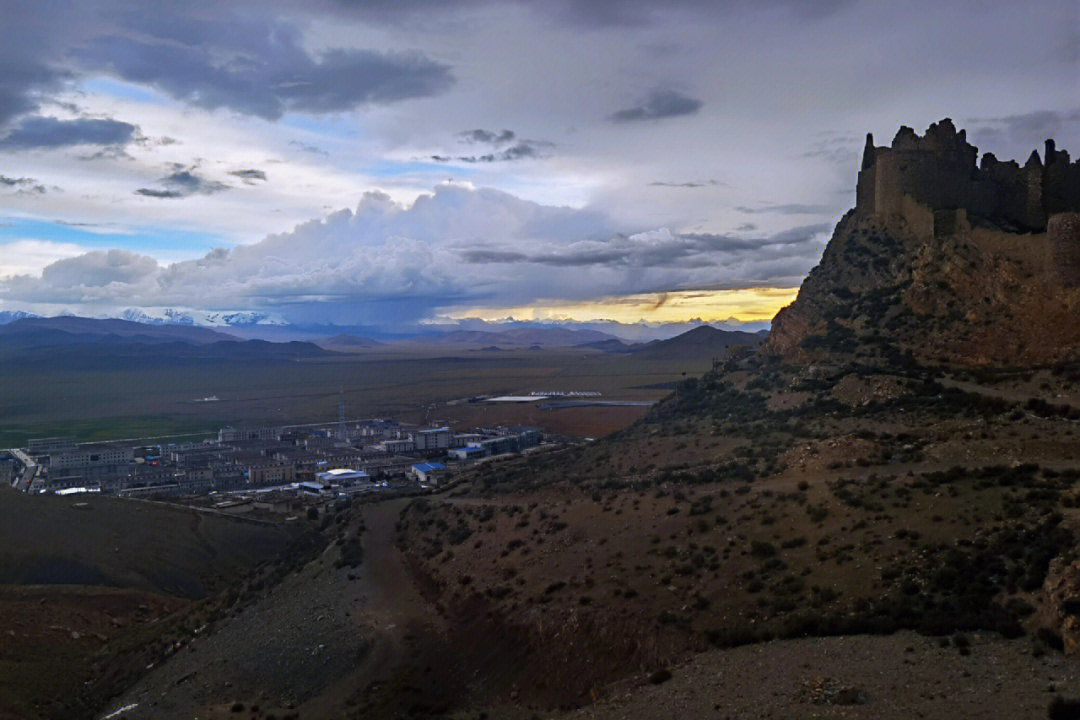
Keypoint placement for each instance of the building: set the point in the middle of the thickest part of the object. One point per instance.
(342, 475)
(511, 443)
(432, 439)
(47, 446)
(429, 473)
(92, 456)
(7, 469)
(469, 452)
(231, 434)
(396, 446)
(271, 474)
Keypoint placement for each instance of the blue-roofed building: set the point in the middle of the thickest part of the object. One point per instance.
(428, 472)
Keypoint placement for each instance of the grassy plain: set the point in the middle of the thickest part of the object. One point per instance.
(95, 400)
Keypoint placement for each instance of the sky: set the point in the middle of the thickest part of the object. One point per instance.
(404, 164)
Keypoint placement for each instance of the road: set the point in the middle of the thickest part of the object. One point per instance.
(25, 481)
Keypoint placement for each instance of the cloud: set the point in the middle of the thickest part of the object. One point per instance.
(28, 53)
(23, 257)
(307, 147)
(23, 185)
(690, 184)
(589, 13)
(659, 105)
(183, 183)
(787, 209)
(255, 66)
(249, 176)
(1012, 135)
(388, 263)
(520, 151)
(49, 132)
(488, 136)
(501, 149)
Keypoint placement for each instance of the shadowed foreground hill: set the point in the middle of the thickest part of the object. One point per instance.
(96, 540)
(94, 590)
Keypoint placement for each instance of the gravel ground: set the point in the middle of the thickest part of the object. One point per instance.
(290, 645)
(301, 649)
(897, 677)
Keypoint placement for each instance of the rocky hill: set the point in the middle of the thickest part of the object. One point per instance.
(954, 262)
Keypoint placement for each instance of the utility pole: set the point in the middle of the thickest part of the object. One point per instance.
(341, 416)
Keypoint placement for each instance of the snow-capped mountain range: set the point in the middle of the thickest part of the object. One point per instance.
(171, 316)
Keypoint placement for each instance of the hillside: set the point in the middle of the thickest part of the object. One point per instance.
(95, 589)
(870, 516)
(97, 540)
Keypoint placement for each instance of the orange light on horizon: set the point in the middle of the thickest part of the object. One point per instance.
(757, 304)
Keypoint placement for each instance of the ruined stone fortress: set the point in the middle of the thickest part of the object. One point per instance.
(933, 183)
(971, 261)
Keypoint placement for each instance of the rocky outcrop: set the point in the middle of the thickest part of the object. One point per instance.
(1059, 604)
(947, 260)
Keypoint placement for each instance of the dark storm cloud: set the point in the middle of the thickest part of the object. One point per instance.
(250, 57)
(249, 176)
(49, 132)
(28, 53)
(1011, 135)
(256, 67)
(489, 137)
(183, 183)
(659, 105)
(690, 250)
(483, 257)
(1033, 124)
(803, 236)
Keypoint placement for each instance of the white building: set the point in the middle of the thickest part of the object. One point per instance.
(92, 456)
(429, 473)
(342, 475)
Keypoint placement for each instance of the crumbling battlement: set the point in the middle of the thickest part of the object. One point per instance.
(927, 180)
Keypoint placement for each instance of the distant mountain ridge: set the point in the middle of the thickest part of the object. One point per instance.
(702, 340)
(120, 328)
(10, 316)
(74, 339)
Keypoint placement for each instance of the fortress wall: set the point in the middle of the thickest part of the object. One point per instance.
(938, 171)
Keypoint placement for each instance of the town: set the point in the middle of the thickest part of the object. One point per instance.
(318, 462)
